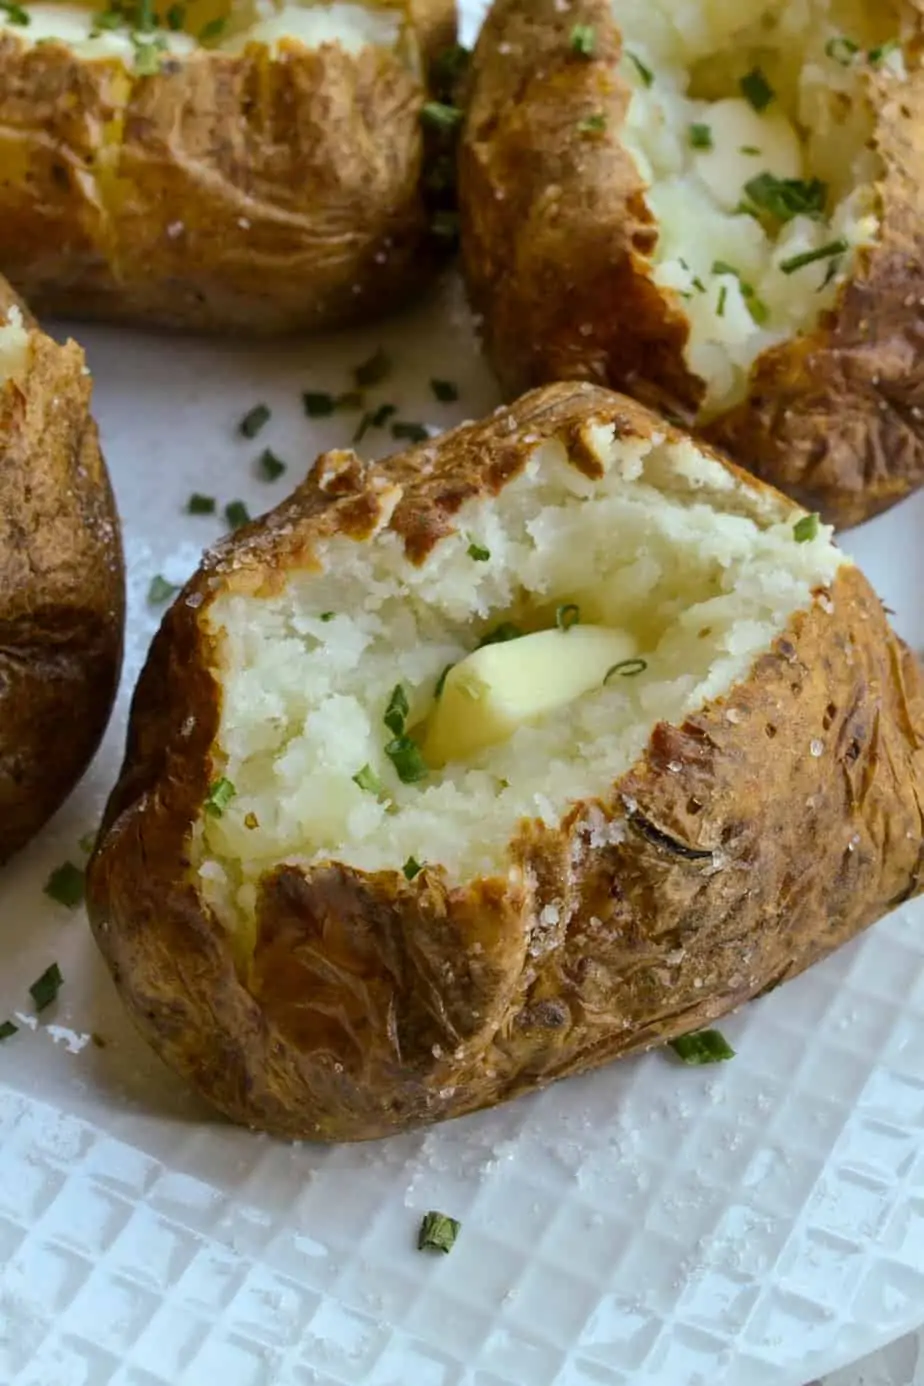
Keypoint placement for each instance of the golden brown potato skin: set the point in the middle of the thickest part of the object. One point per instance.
(245, 192)
(555, 231)
(373, 1004)
(62, 597)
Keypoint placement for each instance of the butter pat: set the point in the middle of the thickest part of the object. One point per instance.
(746, 143)
(498, 688)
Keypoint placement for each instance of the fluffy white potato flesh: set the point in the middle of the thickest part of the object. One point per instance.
(14, 346)
(726, 92)
(351, 26)
(695, 570)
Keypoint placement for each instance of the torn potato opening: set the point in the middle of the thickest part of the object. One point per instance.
(142, 33)
(14, 345)
(331, 690)
(751, 124)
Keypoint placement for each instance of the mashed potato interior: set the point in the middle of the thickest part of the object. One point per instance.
(726, 92)
(699, 571)
(179, 29)
(14, 346)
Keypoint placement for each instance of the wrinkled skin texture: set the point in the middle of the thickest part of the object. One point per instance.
(555, 238)
(62, 599)
(371, 1004)
(254, 193)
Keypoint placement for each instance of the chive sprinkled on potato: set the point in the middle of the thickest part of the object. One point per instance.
(374, 418)
(446, 391)
(220, 794)
(701, 136)
(440, 115)
(148, 53)
(397, 710)
(626, 668)
(407, 758)
(567, 616)
(720, 305)
(501, 634)
(842, 49)
(15, 14)
(592, 125)
(318, 404)
(811, 257)
(755, 306)
(7, 1030)
(441, 682)
(645, 73)
(374, 370)
(175, 17)
(878, 56)
(756, 90)
(438, 1232)
(478, 552)
(87, 841)
(411, 868)
(451, 64)
(200, 505)
(704, 1047)
(350, 399)
(236, 514)
(269, 466)
(45, 988)
(212, 30)
(410, 432)
(368, 781)
(583, 40)
(254, 420)
(160, 590)
(328, 615)
(786, 198)
(65, 885)
(806, 529)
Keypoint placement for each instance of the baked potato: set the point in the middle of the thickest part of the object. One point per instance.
(542, 743)
(715, 207)
(62, 599)
(256, 166)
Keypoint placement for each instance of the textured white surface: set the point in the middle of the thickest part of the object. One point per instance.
(762, 1222)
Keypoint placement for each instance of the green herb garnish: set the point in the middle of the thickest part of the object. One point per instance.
(411, 868)
(200, 505)
(374, 418)
(160, 590)
(440, 115)
(374, 370)
(567, 616)
(407, 758)
(592, 125)
(269, 466)
(213, 30)
(220, 794)
(451, 64)
(478, 552)
(237, 514)
(720, 306)
(445, 391)
(441, 682)
(756, 89)
(583, 40)
(504, 632)
(877, 56)
(397, 710)
(254, 420)
(318, 404)
(350, 399)
(701, 137)
(148, 53)
(755, 306)
(645, 73)
(627, 668)
(785, 198)
(175, 17)
(44, 990)
(15, 14)
(811, 257)
(437, 1233)
(369, 781)
(328, 615)
(806, 529)
(65, 885)
(87, 841)
(106, 20)
(705, 1047)
(8, 1029)
(750, 149)
(842, 49)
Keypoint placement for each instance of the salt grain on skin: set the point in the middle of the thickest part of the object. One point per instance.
(817, 749)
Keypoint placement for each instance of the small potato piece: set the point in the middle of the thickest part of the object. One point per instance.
(501, 687)
(331, 948)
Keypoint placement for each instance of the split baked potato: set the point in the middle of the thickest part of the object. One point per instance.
(716, 206)
(543, 742)
(218, 165)
(62, 598)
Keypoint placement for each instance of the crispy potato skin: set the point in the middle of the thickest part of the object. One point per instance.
(555, 234)
(371, 1004)
(62, 586)
(225, 192)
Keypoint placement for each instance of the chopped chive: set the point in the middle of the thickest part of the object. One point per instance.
(832, 273)
(705, 1047)
(504, 632)
(758, 310)
(441, 682)
(645, 73)
(877, 56)
(328, 615)
(411, 868)
(567, 616)
(478, 552)
(451, 64)
(811, 257)
(440, 115)
(397, 710)
(87, 841)
(374, 418)
(269, 466)
(701, 136)
(45, 988)
(699, 286)
(806, 529)
(407, 758)
(237, 514)
(374, 370)
(369, 781)
(318, 404)
(720, 306)
(756, 89)
(842, 49)
(351, 399)
(220, 794)
(750, 149)
(65, 885)
(8, 1029)
(175, 16)
(410, 432)
(15, 14)
(254, 420)
(785, 198)
(251, 821)
(583, 40)
(437, 1233)
(200, 505)
(445, 391)
(160, 590)
(213, 30)
(592, 125)
(148, 54)
(627, 668)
